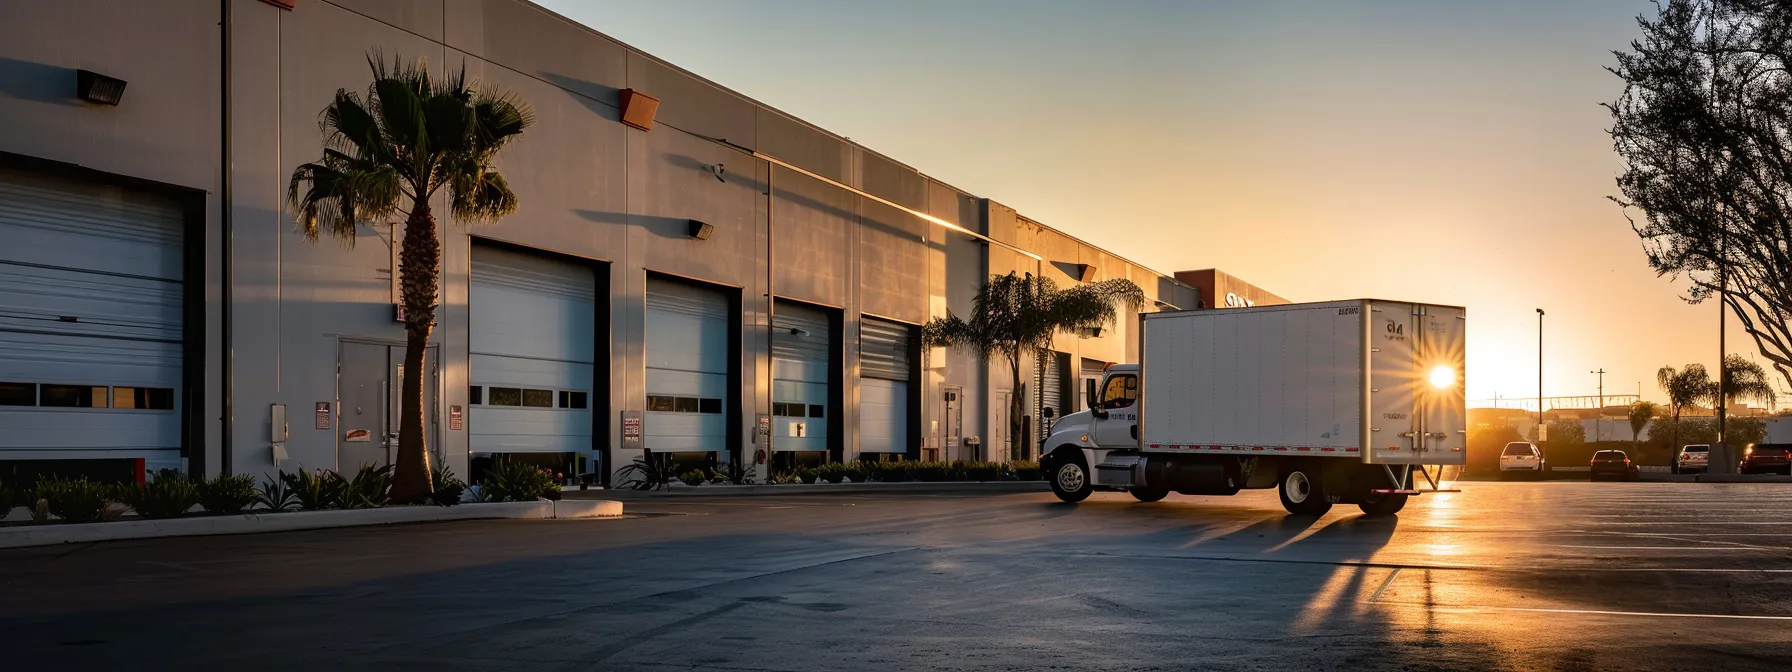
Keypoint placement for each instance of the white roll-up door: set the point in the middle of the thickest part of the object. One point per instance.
(801, 345)
(532, 342)
(91, 286)
(1051, 391)
(687, 368)
(883, 386)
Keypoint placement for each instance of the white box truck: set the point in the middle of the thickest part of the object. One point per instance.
(1329, 403)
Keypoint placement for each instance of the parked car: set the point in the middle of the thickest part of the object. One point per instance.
(1694, 458)
(1521, 456)
(1613, 464)
(1768, 458)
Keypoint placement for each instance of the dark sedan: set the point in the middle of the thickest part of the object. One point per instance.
(1768, 458)
(1613, 464)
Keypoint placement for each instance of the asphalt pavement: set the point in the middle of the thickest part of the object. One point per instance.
(1552, 575)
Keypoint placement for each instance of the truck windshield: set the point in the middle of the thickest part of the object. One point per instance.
(1516, 449)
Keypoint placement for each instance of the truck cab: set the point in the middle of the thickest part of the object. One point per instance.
(1110, 421)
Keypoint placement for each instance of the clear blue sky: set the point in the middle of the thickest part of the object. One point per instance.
(1440, 151)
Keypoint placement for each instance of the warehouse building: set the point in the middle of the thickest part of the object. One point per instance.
(707, 276)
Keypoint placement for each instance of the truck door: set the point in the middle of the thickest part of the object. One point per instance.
(1119, 402)
(1393, 383)
(1440, 356)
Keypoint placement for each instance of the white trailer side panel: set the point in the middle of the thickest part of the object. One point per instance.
(1275, 380)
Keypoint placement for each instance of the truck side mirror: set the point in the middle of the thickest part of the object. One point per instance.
(1089, 393)
(1048, 412)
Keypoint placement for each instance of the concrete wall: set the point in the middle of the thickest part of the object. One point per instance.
(224, 100)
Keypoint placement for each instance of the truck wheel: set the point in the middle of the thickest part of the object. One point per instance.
(1070, 481)
(1302, 494)
(1148, 495)
(1382, 505)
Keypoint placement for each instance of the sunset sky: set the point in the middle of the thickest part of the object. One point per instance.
(1448, 152)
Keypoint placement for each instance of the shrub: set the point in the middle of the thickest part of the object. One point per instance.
(806, 475)
(77, 500)
(8, 499)
(517, 482)
(315, 490)
(228, 493)
(649, 472)
(445, 489)
(981, 471)
(692, 477)
(276, 494)
(168, 495)
(1025, 470)
(832, 472)
(370, 488)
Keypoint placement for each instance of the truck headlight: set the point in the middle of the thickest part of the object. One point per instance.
(1442, 377)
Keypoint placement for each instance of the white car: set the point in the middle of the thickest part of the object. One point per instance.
(1694, 458)
(1523, 457)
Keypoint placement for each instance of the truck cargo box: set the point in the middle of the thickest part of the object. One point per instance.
(1309, 379)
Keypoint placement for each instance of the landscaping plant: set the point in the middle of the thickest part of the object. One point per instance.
(169, 494)
(387, 153)
(76, 500)
(314, 490)
(832, 472)
(806, 475)
(228, 493)
(517, 482)
(370, 488)
(8, 499)
(446, 490)
(692, 477)
(277, 494)
(648, 472)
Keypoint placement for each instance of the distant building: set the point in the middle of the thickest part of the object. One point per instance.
(1219, 289)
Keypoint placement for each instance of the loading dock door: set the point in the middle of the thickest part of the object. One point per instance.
(532, 344)
(91, 284)
(884, 369)
(801, 345)
(687, 368)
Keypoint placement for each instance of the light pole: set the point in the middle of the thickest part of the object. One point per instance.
(1599, 417)
(1539, 374)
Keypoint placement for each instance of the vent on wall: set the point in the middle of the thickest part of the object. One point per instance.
(638, 109)
(700, 230)
(94, 87)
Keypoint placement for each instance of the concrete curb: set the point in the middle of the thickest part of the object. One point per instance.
(252, 523)
(1719, 478)
(818, 489)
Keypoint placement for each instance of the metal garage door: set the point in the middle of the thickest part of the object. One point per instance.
(883, 386)
(533, 337)
(687, 368)
(90, 321)
(1051, 391)
(801, 344)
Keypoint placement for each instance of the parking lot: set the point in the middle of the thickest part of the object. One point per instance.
(1562, 575)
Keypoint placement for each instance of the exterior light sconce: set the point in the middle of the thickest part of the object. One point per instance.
(638, 109)
(1091, 332)
(94, 87)
(1085, 273)
(700, 230)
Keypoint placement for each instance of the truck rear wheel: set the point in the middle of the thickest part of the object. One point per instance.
(1148, 495)
(1302, 493)
(1070, 481)
(1382, 504)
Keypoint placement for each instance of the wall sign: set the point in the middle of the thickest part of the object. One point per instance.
(322, 421)
(454, 418)
(357, 436)
(631, 430)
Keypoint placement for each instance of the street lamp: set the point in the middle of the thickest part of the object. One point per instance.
(1539, 374)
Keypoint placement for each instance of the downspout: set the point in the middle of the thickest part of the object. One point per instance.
(224, 282)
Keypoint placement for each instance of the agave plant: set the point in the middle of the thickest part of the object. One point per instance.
(277, 493)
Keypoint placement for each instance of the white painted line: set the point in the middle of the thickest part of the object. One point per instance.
(1594, 612)
(1384, 584)
(1668, 548)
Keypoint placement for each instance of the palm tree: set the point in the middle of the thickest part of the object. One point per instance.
(1641, 413)
(1745, 380)
(1017, 315)
(389, 151)
(1684, 387)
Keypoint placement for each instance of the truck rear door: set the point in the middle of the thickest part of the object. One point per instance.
(1416, 359)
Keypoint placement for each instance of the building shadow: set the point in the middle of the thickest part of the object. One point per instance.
(37, 82)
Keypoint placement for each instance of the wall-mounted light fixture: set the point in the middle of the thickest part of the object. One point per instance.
(1085, 272)
(638, 108)
(700, 230)
(94, 87)
(1091, 332)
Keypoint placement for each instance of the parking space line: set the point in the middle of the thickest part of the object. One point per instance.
(1385, 583)
(1592, 612)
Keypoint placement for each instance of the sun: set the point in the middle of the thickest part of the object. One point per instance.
(1442, 377)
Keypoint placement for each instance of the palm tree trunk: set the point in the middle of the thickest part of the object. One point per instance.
(1016, 422)
(420, 263)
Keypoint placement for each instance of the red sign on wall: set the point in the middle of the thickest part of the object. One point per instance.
(454, 418)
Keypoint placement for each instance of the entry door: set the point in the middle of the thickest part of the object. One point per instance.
(368, 376)
(954, 418)
(1000, 428)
